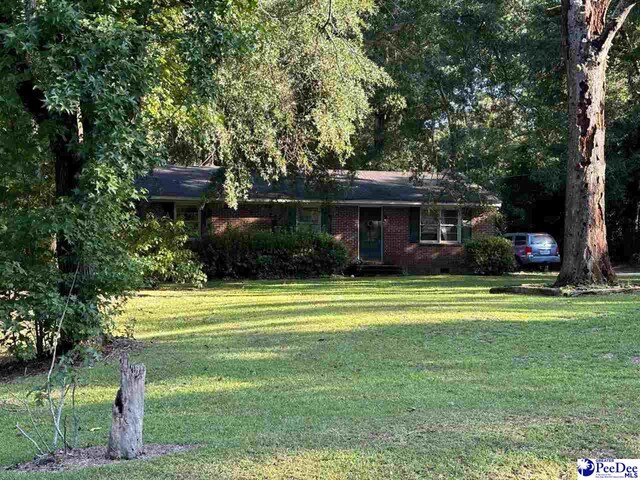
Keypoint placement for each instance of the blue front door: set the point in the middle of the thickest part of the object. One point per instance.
(371, 233)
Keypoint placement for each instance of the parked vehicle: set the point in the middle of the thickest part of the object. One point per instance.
(534, 249)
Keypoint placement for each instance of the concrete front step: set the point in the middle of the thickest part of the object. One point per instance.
(372, 270)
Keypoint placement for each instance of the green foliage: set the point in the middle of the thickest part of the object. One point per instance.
(291, 103)
(237, 254)
(480, 87)
(490, 256)
(160, 245)
(58, 396)
(74, 135)
(467, 74)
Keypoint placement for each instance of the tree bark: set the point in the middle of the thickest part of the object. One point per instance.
(587, 38)
(379, 131)
(125, 440)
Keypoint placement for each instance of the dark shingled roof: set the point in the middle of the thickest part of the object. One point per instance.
(360, 186)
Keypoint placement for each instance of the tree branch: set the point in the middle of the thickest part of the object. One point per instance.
(614, 24)
(26, 435)
(329, 21)
(554, 11)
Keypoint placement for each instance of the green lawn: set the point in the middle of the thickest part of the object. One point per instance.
(409, 377)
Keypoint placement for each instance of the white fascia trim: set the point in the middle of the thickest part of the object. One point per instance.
(362, 203)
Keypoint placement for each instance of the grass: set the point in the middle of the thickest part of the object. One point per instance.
(408, 377)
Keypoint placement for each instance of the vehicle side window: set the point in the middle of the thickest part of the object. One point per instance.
(520, 240)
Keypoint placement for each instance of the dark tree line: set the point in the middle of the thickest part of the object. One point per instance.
(482, 87)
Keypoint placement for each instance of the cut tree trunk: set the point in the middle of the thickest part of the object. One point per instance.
(125, 440)
(587, 38)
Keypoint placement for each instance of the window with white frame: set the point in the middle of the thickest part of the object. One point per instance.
(308, 219)
(440, 225)
(190, 215)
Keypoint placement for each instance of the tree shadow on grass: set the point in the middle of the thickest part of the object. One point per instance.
(405, 392)
(248, 317)
(329, 285)
(558, 384)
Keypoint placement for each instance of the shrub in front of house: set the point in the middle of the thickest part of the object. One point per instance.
(490, 256)
(160, 245)
(239, 254)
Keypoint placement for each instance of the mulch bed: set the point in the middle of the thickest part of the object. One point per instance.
(91, 457)
(112, 350)
(549, 291)
(12, 370)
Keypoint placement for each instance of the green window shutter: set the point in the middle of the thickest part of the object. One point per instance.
(292, 216)
(325, 220)
(414, 225)
(466, 225)
(466, 233)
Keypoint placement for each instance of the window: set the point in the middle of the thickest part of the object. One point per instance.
(520, 240)
(440, 225)
(542, 239)
(190, 215)
(308, 219)
(159, 209)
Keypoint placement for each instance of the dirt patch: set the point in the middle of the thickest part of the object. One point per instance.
(548, 291)
(91, 457)
(112, 350)
(11, 369)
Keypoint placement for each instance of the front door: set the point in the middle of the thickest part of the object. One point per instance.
(371, 234)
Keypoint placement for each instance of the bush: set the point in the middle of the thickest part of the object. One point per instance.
(490, 256)
(236, 254)
(160, 244)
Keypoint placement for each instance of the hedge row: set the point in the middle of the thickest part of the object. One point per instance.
(237, 254)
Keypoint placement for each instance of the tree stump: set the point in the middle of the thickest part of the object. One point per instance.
(125, 439)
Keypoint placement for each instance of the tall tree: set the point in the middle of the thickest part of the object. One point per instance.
(87, 91)
(291, 104)
(588, 33)
(74, 134)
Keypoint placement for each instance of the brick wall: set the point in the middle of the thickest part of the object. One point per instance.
(426, 258)
(344, 227)
(416, 257)
(397, 249)
(484, 224)
(253, 216)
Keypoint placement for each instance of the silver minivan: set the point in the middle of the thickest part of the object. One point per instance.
(534, 248)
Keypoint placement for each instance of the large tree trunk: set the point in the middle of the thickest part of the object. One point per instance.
(125, 440)
(587, 38)
(586, 255)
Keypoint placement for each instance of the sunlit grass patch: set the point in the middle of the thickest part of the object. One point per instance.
(401, 377)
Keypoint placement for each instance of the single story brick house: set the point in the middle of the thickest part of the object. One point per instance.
(381, 217)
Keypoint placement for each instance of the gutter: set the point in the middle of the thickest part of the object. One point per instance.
(363, 203)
